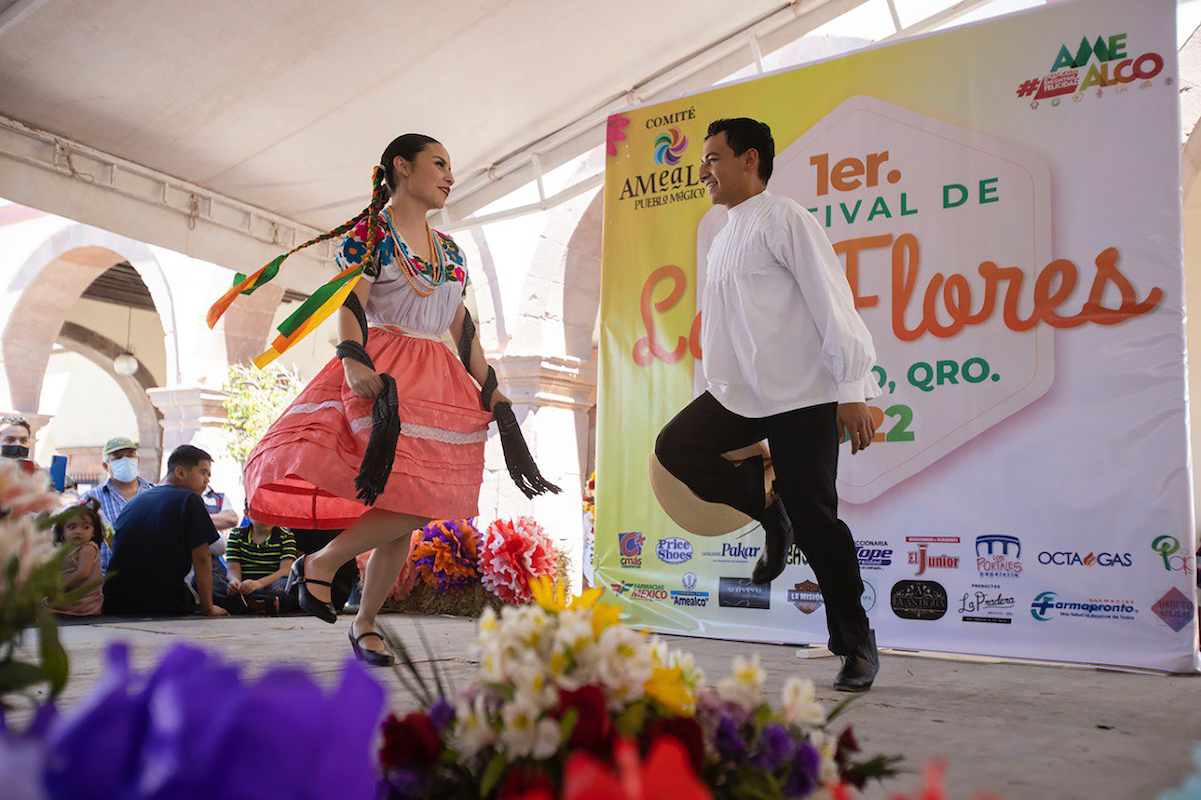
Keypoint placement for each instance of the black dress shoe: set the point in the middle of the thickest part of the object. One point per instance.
(370, 657)
(323, 611)
(777, 538)
(859, 670)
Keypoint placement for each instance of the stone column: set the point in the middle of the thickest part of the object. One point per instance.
(551, 397)
(195, 415)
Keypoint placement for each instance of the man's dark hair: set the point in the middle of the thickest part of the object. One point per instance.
(744, 133)
(6, 422)
(186, 456)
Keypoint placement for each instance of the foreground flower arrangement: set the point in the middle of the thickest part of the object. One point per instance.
(569, 702)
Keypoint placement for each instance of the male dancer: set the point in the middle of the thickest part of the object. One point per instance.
(787, 359)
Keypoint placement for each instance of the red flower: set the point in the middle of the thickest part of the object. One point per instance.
(527, 783)
(593, 730)
(685, 730)
(413, 739)
(665, 773)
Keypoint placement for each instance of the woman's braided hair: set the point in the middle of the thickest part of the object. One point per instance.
(383, 184)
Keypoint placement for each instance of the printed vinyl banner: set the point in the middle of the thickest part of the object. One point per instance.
(1005, 199)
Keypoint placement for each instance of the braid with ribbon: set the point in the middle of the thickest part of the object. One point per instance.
(326, 299)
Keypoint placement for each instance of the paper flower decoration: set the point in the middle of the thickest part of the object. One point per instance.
(445, 554)
(512, 553)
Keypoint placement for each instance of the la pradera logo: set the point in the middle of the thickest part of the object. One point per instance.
(669, 146)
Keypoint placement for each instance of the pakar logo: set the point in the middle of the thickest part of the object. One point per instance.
(669, 146)
(1168, 547)
(1101, 63)
(925, 560)
(674, 550)
(736, 553)
(629, 547)
(997, 555)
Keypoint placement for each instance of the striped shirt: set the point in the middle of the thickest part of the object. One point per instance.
(259, 560)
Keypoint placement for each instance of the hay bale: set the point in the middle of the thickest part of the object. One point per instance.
(466, 602)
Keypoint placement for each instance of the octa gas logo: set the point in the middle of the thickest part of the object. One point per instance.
(1067, 558)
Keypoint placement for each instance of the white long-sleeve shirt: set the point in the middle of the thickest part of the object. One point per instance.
(779, 329)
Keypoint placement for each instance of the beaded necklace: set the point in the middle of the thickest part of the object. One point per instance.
(413, 273)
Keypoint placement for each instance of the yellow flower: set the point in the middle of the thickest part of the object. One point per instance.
(666, 686)
(553, 597)
(604, 615)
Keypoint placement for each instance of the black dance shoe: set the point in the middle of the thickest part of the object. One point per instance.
(369, 657)
(859, 670)
(777, 538)
(323, 611)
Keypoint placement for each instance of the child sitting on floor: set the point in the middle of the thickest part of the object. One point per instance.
(83, 531)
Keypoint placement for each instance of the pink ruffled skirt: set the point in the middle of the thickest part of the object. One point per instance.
(301, 474)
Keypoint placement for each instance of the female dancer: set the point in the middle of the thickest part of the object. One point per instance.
(394, 373)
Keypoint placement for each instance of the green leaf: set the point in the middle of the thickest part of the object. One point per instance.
(755, 785)
(630, 722)
(54, 658)
(492, 774)
(568, 723)
(877, 768)
(506, 690)
(841, 707)
(17, 675)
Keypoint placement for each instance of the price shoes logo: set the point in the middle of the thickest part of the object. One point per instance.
(1047, 605)
(1175, 609)
(1067, 558)
(997, 555)
(1168, 548)
(629, 547)
(1101, 63)
(674, 550)
(925, 560)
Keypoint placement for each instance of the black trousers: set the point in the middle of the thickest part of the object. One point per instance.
(804, 452)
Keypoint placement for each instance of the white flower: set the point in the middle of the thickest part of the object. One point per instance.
(532, 681)
(693, 675)
(825, 745)
(473, 728)
(624, 664)
(800, 704)
(746, 685)
(21, 539)
(524, 733)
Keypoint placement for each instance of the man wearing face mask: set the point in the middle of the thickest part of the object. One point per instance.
(124, 483)
(15, 436)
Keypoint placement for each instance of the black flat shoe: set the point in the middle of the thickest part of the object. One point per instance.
(369, 657)
(859, 670)
(323, 611)
(777, 538)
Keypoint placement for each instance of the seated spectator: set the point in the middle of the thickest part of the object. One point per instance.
(223, 513)
(259, 558)
(82, 532)
(123, 484)
(163, 533)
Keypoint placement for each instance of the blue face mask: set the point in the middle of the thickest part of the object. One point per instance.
(124, 469)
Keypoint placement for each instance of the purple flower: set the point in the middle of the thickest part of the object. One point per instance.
(194, 729)
(442, 713)
(806, 768)
(399, 784)
(775, 746)
(729, 739)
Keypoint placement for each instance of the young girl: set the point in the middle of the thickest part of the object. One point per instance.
(303, 472)
(84, 532)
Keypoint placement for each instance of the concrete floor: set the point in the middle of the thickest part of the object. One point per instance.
(1013, 730)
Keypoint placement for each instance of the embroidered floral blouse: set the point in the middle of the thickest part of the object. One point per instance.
(393, 301)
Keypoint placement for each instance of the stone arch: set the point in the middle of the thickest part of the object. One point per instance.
(101, 351)
(48, 284)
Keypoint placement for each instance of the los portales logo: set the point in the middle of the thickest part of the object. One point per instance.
(997, 555)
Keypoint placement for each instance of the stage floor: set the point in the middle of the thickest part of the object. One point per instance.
(1015, 730)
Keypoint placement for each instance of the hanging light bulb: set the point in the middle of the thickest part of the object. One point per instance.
(126, 364)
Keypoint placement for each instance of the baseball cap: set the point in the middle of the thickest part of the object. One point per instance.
(119, 443)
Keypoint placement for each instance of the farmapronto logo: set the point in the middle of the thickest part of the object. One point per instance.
(1048, 605)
